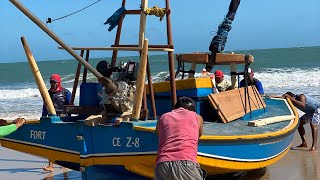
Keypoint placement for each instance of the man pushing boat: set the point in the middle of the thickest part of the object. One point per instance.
(311, 106)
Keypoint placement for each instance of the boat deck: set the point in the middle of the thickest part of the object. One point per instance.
(275, 107)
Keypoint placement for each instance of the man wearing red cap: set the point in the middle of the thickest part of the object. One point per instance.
(60, 96)
(252, 81)
(220, 83)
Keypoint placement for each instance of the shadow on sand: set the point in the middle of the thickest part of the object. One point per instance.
(244, 175)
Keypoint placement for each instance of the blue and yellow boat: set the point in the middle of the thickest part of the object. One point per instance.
(130, 149)
(108, 135)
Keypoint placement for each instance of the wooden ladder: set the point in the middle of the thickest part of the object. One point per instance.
(126, 47)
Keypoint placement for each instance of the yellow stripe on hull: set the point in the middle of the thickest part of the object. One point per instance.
(52, 155)
(218, 166)
(190, 83)
(143, 165)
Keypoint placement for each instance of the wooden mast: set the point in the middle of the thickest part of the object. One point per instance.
(38, 77)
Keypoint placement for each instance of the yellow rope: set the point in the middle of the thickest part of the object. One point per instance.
(155, 10)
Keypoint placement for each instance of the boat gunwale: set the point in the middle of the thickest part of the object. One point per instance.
(292, 126)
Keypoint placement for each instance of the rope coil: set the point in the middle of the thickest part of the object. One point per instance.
(155, 10)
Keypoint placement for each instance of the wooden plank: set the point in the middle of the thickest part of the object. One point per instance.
(226, 59)
(120, 49)
(266, 121)
(150, 45)
(221, 58)
(231, 104)
(126, 116)
(198, 58)
(95, 120)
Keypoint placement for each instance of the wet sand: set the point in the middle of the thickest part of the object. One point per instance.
(16, 165)
(298, 164)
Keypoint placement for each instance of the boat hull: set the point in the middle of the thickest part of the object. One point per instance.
(131, 149)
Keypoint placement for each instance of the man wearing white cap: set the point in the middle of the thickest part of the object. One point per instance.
(252, 81)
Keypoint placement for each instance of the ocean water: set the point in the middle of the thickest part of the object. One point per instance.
(280, 70)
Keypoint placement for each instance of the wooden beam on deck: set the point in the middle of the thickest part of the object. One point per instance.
(221, 58)
(120, 48)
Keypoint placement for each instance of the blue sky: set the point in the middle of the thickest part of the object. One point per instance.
(258, 25)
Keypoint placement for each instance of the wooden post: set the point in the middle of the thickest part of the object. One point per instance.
(151, 92)
(38, 77)
(140, 82)
(85, 71)
(171, 57)
(76, 80)
(117, 39)
(143, 17)
(233, 68)
(193, 68)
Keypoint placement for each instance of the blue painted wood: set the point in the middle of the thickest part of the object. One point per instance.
(109, 173)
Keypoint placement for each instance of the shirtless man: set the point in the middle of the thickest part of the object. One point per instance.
(311, 106)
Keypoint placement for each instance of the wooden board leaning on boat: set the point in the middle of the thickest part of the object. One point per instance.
(234, 104)
(231, 106)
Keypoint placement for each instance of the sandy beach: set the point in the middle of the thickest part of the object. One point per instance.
(298, 164)
(16, 165)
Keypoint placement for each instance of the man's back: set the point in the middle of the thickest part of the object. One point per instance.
(178, 136)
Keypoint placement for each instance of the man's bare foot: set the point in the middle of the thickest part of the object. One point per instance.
(303, 145)
(313, 148)
(19, 122)
(48, 169)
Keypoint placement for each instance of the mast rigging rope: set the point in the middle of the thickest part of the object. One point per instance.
(49, 20)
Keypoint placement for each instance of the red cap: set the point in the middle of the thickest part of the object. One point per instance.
(55, 77)
(218, 73)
